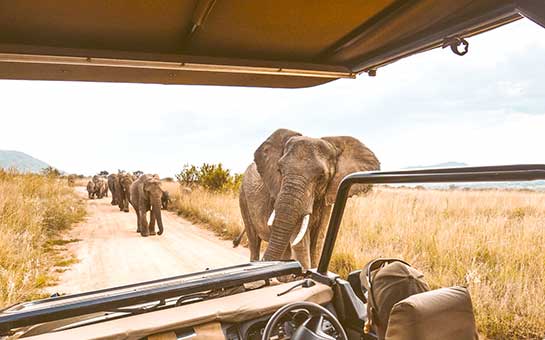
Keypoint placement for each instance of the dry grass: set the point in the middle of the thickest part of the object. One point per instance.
(490, 241)
(81, 182)
(219, 211)
(34, 210)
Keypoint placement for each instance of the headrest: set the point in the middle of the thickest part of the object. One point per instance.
(445, 314)
(388, 281)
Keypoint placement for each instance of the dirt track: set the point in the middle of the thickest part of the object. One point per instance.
(111, 253)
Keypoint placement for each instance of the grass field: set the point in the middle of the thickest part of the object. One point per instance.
(34, 210)
(491, 241)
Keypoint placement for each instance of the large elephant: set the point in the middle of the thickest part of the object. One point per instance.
(123, 190)
(146, 193)
(112, 178)
(287, 193)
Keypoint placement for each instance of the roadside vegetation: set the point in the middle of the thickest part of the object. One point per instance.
(492, 241)
(34, 211)
(208, 194)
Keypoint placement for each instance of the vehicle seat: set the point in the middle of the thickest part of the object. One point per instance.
(445, 314)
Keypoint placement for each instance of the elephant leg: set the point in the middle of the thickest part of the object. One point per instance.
(138, 222)
(151, 227)
(254, 243)
(126, 203)
(143, 222)
(317, 236)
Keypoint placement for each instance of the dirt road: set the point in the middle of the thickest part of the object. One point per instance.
(111, 253)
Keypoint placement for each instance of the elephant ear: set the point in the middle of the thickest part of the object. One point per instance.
(352, 156)
(266, 158)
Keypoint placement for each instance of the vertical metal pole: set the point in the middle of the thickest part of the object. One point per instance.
(333, 226)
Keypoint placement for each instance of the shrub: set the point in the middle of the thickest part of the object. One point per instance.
(189, 176)
(51, 172)
(212, 177)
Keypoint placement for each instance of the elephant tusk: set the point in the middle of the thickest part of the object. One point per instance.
(271, 219)
(304, 227)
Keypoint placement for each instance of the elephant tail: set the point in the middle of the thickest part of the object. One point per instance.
(237, 240)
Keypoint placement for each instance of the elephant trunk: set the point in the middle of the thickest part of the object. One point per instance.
(290, 209)
(156, 211)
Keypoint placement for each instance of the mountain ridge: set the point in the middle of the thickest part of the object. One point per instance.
(20, 161)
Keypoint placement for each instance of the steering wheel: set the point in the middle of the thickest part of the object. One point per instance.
(311, 328)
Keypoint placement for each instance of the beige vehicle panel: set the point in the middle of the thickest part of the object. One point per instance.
(234, 308)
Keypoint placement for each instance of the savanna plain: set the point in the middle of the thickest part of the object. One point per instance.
(492, 241)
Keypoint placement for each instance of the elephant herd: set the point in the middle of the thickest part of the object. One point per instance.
(288, 191)
(286, 195)
(97, 187)
(143, 193)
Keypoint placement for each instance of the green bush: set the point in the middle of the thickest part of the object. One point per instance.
(212, 177)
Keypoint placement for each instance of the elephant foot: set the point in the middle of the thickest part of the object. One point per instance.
(126, 210)
(153, 233)
(144, 235)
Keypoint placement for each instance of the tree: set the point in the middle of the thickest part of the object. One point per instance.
(213, 177)
(51, 172)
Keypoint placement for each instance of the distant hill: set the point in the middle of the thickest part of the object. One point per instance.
(440, 165)
(20, 161)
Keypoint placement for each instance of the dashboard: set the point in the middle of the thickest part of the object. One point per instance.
(238, 316)
(254, 329)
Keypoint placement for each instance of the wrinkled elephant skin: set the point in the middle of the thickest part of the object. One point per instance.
(287, 193)
(145, 195)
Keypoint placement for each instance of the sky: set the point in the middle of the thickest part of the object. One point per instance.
(487, 107)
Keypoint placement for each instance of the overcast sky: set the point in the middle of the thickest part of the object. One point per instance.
(487, 107)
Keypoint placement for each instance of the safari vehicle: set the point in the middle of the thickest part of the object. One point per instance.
(284, 44)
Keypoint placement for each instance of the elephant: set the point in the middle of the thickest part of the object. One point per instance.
(91, 189)
(123, 188)
(288, 191)
(165, 200)
(101, 186)
(111, 185)
(146, 193)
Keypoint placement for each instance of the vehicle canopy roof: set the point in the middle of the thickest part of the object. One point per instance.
(271, 43)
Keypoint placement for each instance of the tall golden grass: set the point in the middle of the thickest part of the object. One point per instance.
(219, 211)
(34, 209)
(491, 241)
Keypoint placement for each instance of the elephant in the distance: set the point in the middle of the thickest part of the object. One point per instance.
(112, 178)
(146, 193)
(165, 200)
(287, 193)
(91, 190)
(101, 186)
(123, 190)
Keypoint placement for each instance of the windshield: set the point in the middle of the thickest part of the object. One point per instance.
(109, 184)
